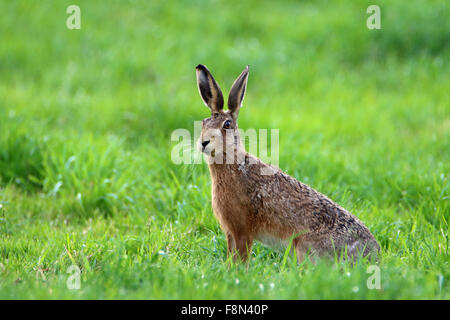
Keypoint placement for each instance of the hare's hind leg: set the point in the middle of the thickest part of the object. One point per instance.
(300, 251)
(304, 249)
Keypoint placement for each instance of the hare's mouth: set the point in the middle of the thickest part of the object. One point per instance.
(206, 149)
(209, 151)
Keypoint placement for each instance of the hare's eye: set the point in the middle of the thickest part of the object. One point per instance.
(227, 124)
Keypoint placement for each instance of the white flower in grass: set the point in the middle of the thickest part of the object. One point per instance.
(162, 253)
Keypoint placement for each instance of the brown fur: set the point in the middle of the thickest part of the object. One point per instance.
(271, 208)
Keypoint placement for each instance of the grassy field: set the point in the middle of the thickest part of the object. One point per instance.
(86, 116)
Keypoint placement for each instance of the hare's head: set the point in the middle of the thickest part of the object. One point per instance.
(220, 135)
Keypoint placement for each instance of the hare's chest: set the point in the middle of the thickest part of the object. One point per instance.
(230, 206)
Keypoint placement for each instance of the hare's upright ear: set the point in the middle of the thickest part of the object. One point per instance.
(209, 89)
(237, 93)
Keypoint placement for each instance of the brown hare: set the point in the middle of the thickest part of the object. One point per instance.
(272, 208)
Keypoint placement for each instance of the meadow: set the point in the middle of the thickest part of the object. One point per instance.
(86, 116)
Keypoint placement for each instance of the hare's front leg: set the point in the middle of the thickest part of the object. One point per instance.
(244, 247)
(231, 244)
(238, 247)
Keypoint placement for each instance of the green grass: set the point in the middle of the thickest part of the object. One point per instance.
(85, 123)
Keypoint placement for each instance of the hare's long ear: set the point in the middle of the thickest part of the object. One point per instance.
(209, 89)
(237, 93)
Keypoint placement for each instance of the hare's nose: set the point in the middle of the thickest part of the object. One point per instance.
(204, 144)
